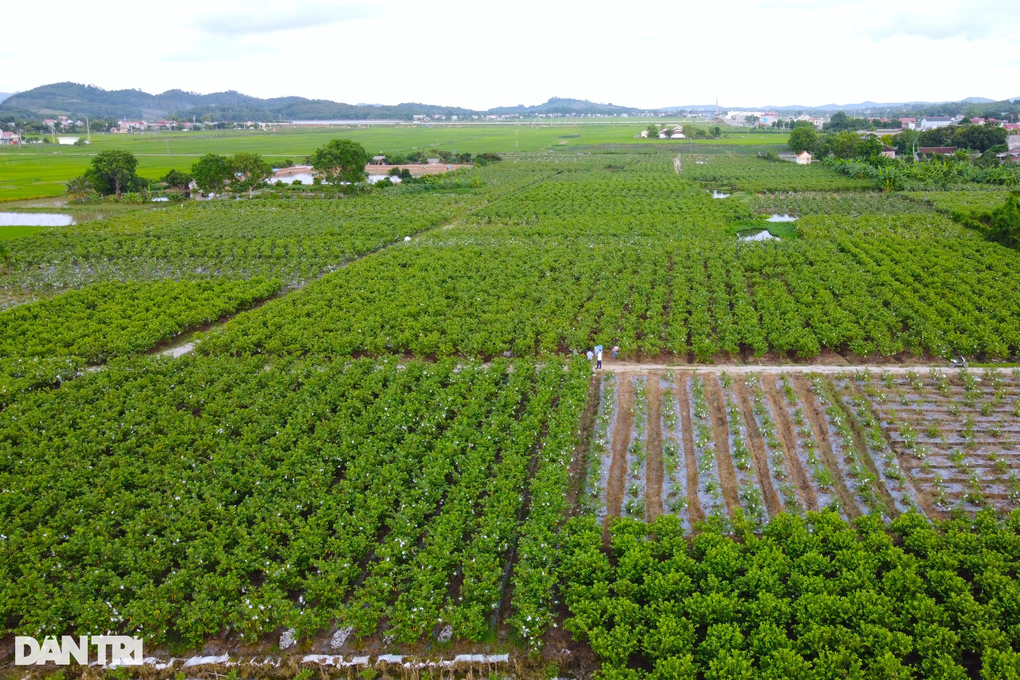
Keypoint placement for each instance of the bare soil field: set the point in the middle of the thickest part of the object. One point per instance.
(859, 442)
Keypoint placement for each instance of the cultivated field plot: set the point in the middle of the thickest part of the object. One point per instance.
(702, 445)
(178, 499)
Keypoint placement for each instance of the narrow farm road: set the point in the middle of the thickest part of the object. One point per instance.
(624, 367)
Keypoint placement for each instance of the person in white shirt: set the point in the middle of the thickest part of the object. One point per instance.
(598, 360)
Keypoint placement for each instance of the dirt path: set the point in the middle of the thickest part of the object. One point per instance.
(690, 462)
(816, 418)
(758, 453)
(788, 436)
(721, 434)
(733, 369)
(653, 464)
(617, 484)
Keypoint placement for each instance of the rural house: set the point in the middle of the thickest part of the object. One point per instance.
(804, 158)
(934, 122)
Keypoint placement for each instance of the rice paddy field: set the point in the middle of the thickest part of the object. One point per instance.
(41, 170)
(298, 436)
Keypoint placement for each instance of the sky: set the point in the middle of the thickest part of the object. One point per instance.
(479, 54)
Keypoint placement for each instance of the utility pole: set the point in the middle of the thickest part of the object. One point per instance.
(88, 129)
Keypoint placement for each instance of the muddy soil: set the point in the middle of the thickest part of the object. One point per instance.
(788, 436)
(721, 434)
(690, 462)
(759, 455)
(653, 446)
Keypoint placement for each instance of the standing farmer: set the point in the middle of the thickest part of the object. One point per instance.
(598, 359)
(590, 355)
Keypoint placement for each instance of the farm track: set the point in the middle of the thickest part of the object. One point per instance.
(721, 434)
(775, 369)
(758, 453)
(617, 485)
(690, 461)
(653, 470)
(816, 418)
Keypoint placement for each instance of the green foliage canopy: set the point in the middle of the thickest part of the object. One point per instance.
(340, 161)
(113, 172)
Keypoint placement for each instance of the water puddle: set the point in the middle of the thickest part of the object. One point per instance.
(179, 351)
(781, 218)
(13, 219)
(763, 235)
(719, 194)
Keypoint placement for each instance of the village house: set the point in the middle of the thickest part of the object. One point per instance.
(934, 122)
(935, 150)
(126, 126)
(9, 138)
(804, 158)
(1013, 142)
(888, 151)
(908, 123)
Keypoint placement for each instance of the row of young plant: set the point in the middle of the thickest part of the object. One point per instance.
(813, 597)
(292, 241)
(180, 499)
(957, 434)
(467, 293)
(116, 319)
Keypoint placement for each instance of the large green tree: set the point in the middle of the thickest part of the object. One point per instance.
(113, 172)
(211, 172)
(340, 161)
(803, 138)
(249, 171)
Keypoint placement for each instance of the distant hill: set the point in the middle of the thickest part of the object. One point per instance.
(875, 107)
(5, 95)
(566, 106)
(75, 100)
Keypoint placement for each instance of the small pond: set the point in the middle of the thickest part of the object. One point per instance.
(781, 218)
(13, 219)
(719, 194)
(762, 235)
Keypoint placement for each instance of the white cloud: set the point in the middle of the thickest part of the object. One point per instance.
(480, 55)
